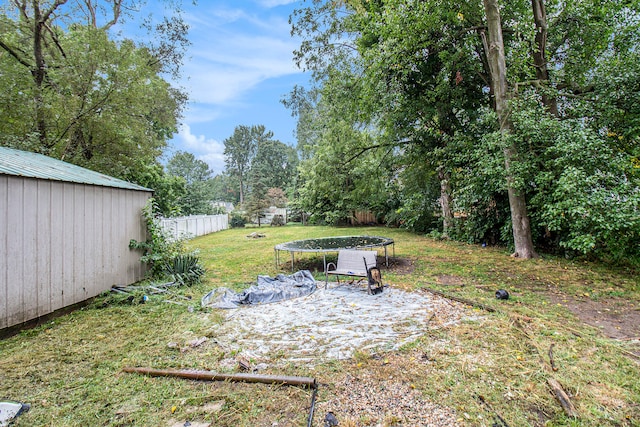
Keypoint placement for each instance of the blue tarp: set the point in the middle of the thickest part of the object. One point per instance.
(267, 289)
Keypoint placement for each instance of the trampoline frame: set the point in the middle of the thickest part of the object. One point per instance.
(359, 242)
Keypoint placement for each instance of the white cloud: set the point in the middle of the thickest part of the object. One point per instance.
(208, 150)
(274, 3)
(236, 52)
(226, 62)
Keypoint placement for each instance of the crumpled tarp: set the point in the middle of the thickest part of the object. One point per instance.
(10, 410)
(266, 290)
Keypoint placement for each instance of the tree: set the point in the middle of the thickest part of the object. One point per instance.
(239, 150)
(497, 65)
(197, 197)
(186, 165)
(276, 162)
(251, 155)
(87, 98)
(224, 188)
(434, 88)
(277, 197)
(167, 189)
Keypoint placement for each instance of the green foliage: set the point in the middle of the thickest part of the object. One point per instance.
(84, 96)
(408, 87)
(185, 269)
(165, 255)
(278, 220)
(237, 220)
(167, 189)
(588, 194)
(255, 162)
(197, 196)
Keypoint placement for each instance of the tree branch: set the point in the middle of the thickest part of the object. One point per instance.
(45, 16)
(13, 53)
(55, 39)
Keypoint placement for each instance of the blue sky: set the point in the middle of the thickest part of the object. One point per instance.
(239, 66)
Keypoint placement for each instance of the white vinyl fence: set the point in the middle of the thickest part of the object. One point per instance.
(194, 226)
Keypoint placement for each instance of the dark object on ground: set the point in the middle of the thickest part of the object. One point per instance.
(267, 289)
(498, 421)
(330, 420)
(502, 294)
(374, 276)
(563, 398)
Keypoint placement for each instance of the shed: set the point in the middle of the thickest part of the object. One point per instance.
(64, 235)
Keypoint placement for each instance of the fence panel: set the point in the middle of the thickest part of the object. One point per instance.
(194, 225)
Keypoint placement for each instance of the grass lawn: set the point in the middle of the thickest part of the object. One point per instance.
(495, 365)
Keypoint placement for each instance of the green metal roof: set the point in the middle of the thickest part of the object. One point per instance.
(32, 165)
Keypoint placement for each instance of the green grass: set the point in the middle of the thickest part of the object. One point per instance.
(69, 369)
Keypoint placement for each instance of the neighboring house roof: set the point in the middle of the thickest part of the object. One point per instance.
(33, 165)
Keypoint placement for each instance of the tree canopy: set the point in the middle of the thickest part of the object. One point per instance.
(74, 91)
(257, 163)
(485, 110)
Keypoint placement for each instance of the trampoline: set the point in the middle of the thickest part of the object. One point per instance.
(333, 244)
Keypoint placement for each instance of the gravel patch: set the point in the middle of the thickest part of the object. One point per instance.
(333, 323)
(359, 401)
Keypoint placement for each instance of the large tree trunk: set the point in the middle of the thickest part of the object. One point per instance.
(445, 201)
(497, 65)
(241, 191)
(539, 53)
(38, 73)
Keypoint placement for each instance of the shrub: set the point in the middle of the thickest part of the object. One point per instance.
(238, 220)
(185, 269)
(277, 220)
(165, 255)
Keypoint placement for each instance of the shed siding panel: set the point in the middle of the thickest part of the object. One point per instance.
(43, 248)
(62, 243)
(98, 246)
(15, 253)
(57, 245)
(4, 265)
(68, 208)
(117, 208)
(110, 249)
(78, 243)
(29, 279)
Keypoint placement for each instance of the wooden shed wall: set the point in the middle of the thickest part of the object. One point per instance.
(62, 243)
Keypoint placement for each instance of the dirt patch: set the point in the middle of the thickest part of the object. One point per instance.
(449, 280)
(399, 265)
(615, 317)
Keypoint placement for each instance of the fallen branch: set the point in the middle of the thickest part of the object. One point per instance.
(496, 415)
(551, 361)
(557, 389)
(213, 376)
(462, 300)
(563, 398)
(304, 382)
